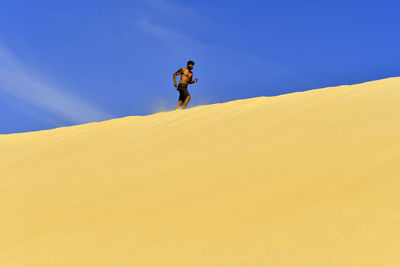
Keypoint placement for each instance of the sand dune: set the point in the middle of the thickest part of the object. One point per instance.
(304, 179)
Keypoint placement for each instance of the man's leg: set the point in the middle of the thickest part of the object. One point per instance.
(179, 104)
(186, 101)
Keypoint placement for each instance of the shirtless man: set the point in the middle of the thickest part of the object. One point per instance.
(186, 79)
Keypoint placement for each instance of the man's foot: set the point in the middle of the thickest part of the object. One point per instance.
(186, 102)
(179, 105)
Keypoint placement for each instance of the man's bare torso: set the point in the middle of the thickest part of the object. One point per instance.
(186, 76)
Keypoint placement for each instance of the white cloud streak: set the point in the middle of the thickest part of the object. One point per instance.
(167, 35)
(173, 37)
(23, 84)
(176, 10)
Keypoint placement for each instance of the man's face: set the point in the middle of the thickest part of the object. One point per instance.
(190, 66)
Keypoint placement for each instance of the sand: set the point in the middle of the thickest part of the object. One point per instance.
(304, 179)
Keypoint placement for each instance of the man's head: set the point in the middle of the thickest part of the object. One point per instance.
(190, 64)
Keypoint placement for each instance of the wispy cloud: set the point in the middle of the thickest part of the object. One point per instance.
(179, 11)
(156, 22)
(163, 5)
(168, 35)
(166, 12)
(175, 39)
(24, 84)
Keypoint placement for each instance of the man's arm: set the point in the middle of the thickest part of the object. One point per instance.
(194, 81)
(180, 71)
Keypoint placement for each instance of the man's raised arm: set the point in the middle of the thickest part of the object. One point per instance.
(180, 71)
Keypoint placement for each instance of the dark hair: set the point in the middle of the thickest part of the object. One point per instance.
(190, 62)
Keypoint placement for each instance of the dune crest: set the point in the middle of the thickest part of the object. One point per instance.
(303, 179)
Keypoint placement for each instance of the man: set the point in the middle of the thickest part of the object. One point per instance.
(186, 79)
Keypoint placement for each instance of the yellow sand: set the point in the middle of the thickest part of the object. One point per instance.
(304, 179)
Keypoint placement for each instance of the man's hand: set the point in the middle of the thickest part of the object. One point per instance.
(194, 81)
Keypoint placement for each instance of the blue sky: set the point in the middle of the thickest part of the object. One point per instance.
(70, 62)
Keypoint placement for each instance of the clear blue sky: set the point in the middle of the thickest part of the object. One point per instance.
(68, 62)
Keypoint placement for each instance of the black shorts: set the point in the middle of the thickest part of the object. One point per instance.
(183, 91)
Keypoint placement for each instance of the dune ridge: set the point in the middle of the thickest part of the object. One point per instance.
(303, 179)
